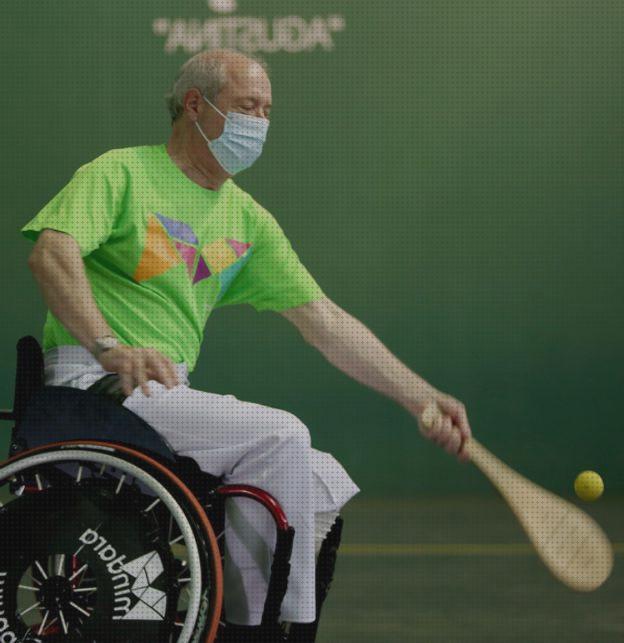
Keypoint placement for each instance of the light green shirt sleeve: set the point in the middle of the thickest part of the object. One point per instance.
(86, 208)
(274, 277)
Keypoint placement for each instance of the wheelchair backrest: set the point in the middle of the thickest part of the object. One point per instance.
(29, 373)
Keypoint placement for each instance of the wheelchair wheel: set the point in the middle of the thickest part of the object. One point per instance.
(102, 543)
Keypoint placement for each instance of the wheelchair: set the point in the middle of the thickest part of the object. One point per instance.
(108, 536)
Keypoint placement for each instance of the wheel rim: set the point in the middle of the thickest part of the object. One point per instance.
(44, 579)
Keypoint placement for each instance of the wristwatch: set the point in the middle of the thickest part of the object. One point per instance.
(103, 344)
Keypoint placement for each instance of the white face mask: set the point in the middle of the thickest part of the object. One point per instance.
(241, 141)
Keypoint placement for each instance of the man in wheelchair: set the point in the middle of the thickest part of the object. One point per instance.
(131, 257)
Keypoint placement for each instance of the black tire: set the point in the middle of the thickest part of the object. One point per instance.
(116, 519)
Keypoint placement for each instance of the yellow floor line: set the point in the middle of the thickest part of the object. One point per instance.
(446, 549)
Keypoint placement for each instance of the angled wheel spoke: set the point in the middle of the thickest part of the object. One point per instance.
(58, 589)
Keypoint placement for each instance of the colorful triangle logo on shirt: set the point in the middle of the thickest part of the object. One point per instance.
(218, 255)
(188, 254)
(227, 276)
(202, 270)
(159, 254)
(168, 244)
(178, 229)
(238, 246)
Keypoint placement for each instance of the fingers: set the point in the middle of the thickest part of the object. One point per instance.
(451, 437)
(174, 374)
(446, 435)
(137, 366)
(462, 423)
(162, 368)
(127, 383)
(140, 374)
(439, 431)
(455, 411)
(464, 432)
(136, 374)
(134, 377)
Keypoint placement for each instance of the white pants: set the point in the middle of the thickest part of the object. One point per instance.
(245, 443)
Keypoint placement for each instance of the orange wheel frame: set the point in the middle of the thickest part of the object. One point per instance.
(190, 497)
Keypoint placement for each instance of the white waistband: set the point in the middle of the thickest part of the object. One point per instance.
(63, 363)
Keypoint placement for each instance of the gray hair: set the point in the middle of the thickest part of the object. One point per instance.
(206, 72)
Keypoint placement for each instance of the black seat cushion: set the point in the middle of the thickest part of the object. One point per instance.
(59, 413)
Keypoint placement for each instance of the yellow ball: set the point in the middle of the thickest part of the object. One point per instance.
(588, 486)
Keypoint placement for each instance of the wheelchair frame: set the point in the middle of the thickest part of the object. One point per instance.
(34, 411)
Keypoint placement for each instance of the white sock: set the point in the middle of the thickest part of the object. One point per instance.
(324, 521)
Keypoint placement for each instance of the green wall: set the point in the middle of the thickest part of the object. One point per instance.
(450, 172)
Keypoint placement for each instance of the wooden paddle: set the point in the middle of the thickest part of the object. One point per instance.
(569, 541)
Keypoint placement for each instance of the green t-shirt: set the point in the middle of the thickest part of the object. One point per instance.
(161, 252)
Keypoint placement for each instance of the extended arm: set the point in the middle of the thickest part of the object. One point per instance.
(350, 346)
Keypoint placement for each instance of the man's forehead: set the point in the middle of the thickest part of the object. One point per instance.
(248, 77)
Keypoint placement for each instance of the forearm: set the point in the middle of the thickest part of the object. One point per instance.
(66, 290)
(351, 347)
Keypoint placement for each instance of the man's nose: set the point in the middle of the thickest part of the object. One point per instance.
(261, 112)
